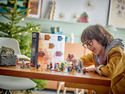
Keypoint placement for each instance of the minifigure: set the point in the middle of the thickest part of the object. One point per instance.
(22, 64)
(85, 70)
(73, 69)
(78, 69)
(62, 66)
(38, 67)
(69, 56)
(56, 67)
(70, 69)
(51, 65)
(27, 65)
(48, 66)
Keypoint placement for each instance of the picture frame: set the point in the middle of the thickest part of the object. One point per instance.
(21, 4)
(37, 10)
(117, 13)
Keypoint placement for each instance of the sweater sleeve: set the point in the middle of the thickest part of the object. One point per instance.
(87, 59)
(115, 63)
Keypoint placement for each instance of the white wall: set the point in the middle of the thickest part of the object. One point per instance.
(97, 14)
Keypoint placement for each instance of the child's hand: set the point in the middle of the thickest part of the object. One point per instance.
(93, 69)
(72, 58)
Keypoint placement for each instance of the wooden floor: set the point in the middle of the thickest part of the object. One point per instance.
(45, 91)
(19, 92)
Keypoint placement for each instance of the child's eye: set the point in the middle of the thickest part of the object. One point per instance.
(90, 42)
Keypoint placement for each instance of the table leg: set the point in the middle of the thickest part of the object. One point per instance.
(89, 92)
(64, 90)
(59, 86)
(97, 88)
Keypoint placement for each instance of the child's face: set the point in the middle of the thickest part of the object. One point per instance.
(95, 47)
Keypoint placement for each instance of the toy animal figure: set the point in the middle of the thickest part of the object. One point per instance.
(85, 70)
(56, 66)
(62, 66)
(48, 66)
(51, 65)
(27, 65)
(70, 69)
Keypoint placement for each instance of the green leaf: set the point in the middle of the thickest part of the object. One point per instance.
(25, 10)
(3, 33)
(18, 10)
(5, 8)
(16, 22)
(15, 6)
(5, 16)
(22, 29)
(18, 19)
(18, 26)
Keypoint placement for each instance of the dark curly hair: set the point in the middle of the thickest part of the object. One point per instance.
(97, 32)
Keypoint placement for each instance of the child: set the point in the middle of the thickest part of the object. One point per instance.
(107, 56)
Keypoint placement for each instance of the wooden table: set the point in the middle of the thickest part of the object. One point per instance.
(89, 80)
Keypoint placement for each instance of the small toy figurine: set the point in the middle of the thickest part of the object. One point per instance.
(56, 67)
(22, 64)
(51, 65)
(85, 70)
(38, 67)
(48, 66)
(62, 67)
(69, 56)
(73, 71)
(27, 65)
(70, 69)
(78, 70)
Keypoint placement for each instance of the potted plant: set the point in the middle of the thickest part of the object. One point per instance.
(23, 34)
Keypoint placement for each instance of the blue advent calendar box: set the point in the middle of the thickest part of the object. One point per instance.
(47, 48)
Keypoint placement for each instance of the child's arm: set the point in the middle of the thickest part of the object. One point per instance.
(115, 63)
(76, 62)
(88, 60)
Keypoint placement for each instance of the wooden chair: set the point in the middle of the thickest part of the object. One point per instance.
(64, 90)
(78, 51)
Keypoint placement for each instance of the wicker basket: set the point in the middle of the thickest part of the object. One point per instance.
(8, 60)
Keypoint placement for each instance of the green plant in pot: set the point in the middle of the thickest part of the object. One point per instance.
(23, 34)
